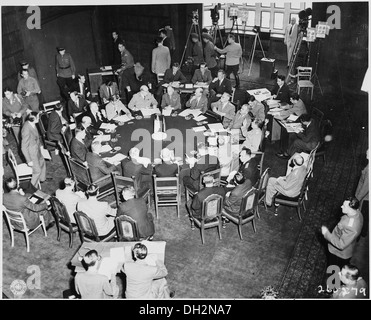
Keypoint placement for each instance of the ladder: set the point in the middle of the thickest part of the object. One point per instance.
(295, 53)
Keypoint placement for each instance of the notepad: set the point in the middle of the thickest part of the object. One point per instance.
(201, 85)
(146, 112)
(105, 148)
(106, 126)
(194, 112)
(199, 129)
(123, 118)
(167, 111)
(107, 267)
(200, 118)
(118, 254)
(116, 159)
(292, 117)
(216, 127)
(102, 137)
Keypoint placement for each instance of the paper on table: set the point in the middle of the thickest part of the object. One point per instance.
(186, 112)
(275, 110)
(123, 118)
(167, 111)
(118, 254)
(200, 85)
(105, 148)
(72, 126)
(151, 259)
(216, 127)
(199, 129)
(107, 267)
(116, 159)
(102, 137)
(109, 126)
(200, 118)
(148, 112)
(292, 117)
(293, 127)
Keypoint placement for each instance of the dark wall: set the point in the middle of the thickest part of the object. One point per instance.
(343, 54)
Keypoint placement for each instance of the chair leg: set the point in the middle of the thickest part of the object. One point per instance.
(156, 209)
(27, 241)
(12, 236)
(43, 225)
(71, 239)
(220, 229)
(192, 224)
(257, 211)
(178, 209)
(298, 211)
(254, 225)
(202, 235)
(240, 231)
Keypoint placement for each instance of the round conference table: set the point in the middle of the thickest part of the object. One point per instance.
(138, 133)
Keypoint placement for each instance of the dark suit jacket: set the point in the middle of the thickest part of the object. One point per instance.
(283, 95)
(137, 209)
(54, 127)
(167, 43)
(202, 104)
(85, 90)
(72, 108)
(250, 170)
(78, 150)
(116, 55)
(233, 202)
(13, 200)
(95, 123)
(198, 77)
(170, 77)
(311, 134)
(166, 170)
(219, 88)
(98, 167)
(130, 169)
(201, 196)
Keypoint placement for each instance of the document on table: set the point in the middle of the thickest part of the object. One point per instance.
(102, 137)
(106, 126)
(186, 112)
(107, 267)
(167, 112)
(123, 118)
(147, 112)
(260, 94)
(200, 85)
(292, 117)
(116, 159)
(199, 129)
(105, 148)
(118, 254)
(200, 118)
(293, 127)
(273, 110)
(216, 127)
(72, 126)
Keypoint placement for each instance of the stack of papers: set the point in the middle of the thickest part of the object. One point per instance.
(216, 127)
(105, 148)
(149, 112)
(292, 117)
(260, 94)
(293, 127)
(118, 254)
(199, 129)
(201, 85)
(167, 112)
(200, 118)
(116, 159)
(109, 126)
(194, 112)
(107, 267)
(123, 118)
(102, 137)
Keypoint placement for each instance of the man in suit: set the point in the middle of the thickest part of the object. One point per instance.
(210, 54)
(97, 118)
(116, 108)
(82, 89)
(198, 101)
(171, 99)
(281, 91)
(142, 100)
(137, 209)
(76, 105)
(116, 55)
(107, 90)
(224, 108)
(161, 59)
(17, 200)
(172, 76)
(203, 74)
(65, 68)
(165, 39)
(69, 197)
(204, 163)
(79, 147)
(291, 33)
(305, 141)
(343, 238)
(100, 211)
(218, 86)
(233, 198)
(30, 147)
(56, 124)
(167, 168)
(135, 79)
(289, 185)
(194, 205)
(197, 51)
(97, 166)
(248, 167)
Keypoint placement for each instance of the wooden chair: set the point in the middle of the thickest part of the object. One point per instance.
(126, 229)
(15, 219)
(211, 211)
(67, 138)
(65, 155)
(49, 106)
(247, 211)
(304, 76)
(119, 182)
(22, 171)
(88, 230)
(261, 161)
(190, 192)
(166, 192)
(298, 202)
(262, 188)
(62, 219)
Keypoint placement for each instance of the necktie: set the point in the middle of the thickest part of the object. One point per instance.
(291, 29)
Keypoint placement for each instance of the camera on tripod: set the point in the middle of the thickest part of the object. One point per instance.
(304, 19)
(195, 16)
(214, 13)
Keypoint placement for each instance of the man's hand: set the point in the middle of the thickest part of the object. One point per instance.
(21, 192)
(73, 76)
(30, 164)
(219, 95)
(274, 96)
(28, 93)
(324, 230)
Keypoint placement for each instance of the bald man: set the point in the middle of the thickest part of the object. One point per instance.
(142, 100)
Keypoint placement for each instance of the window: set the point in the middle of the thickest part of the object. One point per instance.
(265, 19)
(296, 5)
(279, 5)
(278, 21)
(250, 20)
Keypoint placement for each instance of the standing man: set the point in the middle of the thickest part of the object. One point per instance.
(29, 88)
(66, 70)
(127, 63)
(160, 58)
(342, 240)
(210, 54)
(31, 71)
(116, 55)
(197, 52)
(291, 33)
(82, 89)
(233, 55)
(31, 149)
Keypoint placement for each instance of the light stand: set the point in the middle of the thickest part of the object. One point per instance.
(257, 37)
(314, 79)
(214, 32)
(234, 25)
(195, 28)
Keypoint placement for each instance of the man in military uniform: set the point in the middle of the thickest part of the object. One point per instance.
(127, 65)
(65, 68)
(29, 88)
(342, 240)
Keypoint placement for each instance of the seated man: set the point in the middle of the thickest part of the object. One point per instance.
(239, 119)
(203, 163)
(69, 197)
(90, 130)
(202, 75)
(145, 277)
(254, 136)
(79, 147)
(167, 168)
(76, 106)
(100, 211)
(353, 286)
(173, 76)
(195, 205)
(142, 100)
(256, 111)
(305, 141)
(218, 86)
(296, 107)
(81, 88)
(115, 108)
(233, 198)
(96, 116)
(17, 200)
(289, 185)
(138, 167)
(137, 209)
(171, 99)
(135, 78)
(97, 166)
(198, 101)
(91, 284)
(56, 124)
(224, 108)
(226, 152)
(107, 90)
(281, 91)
